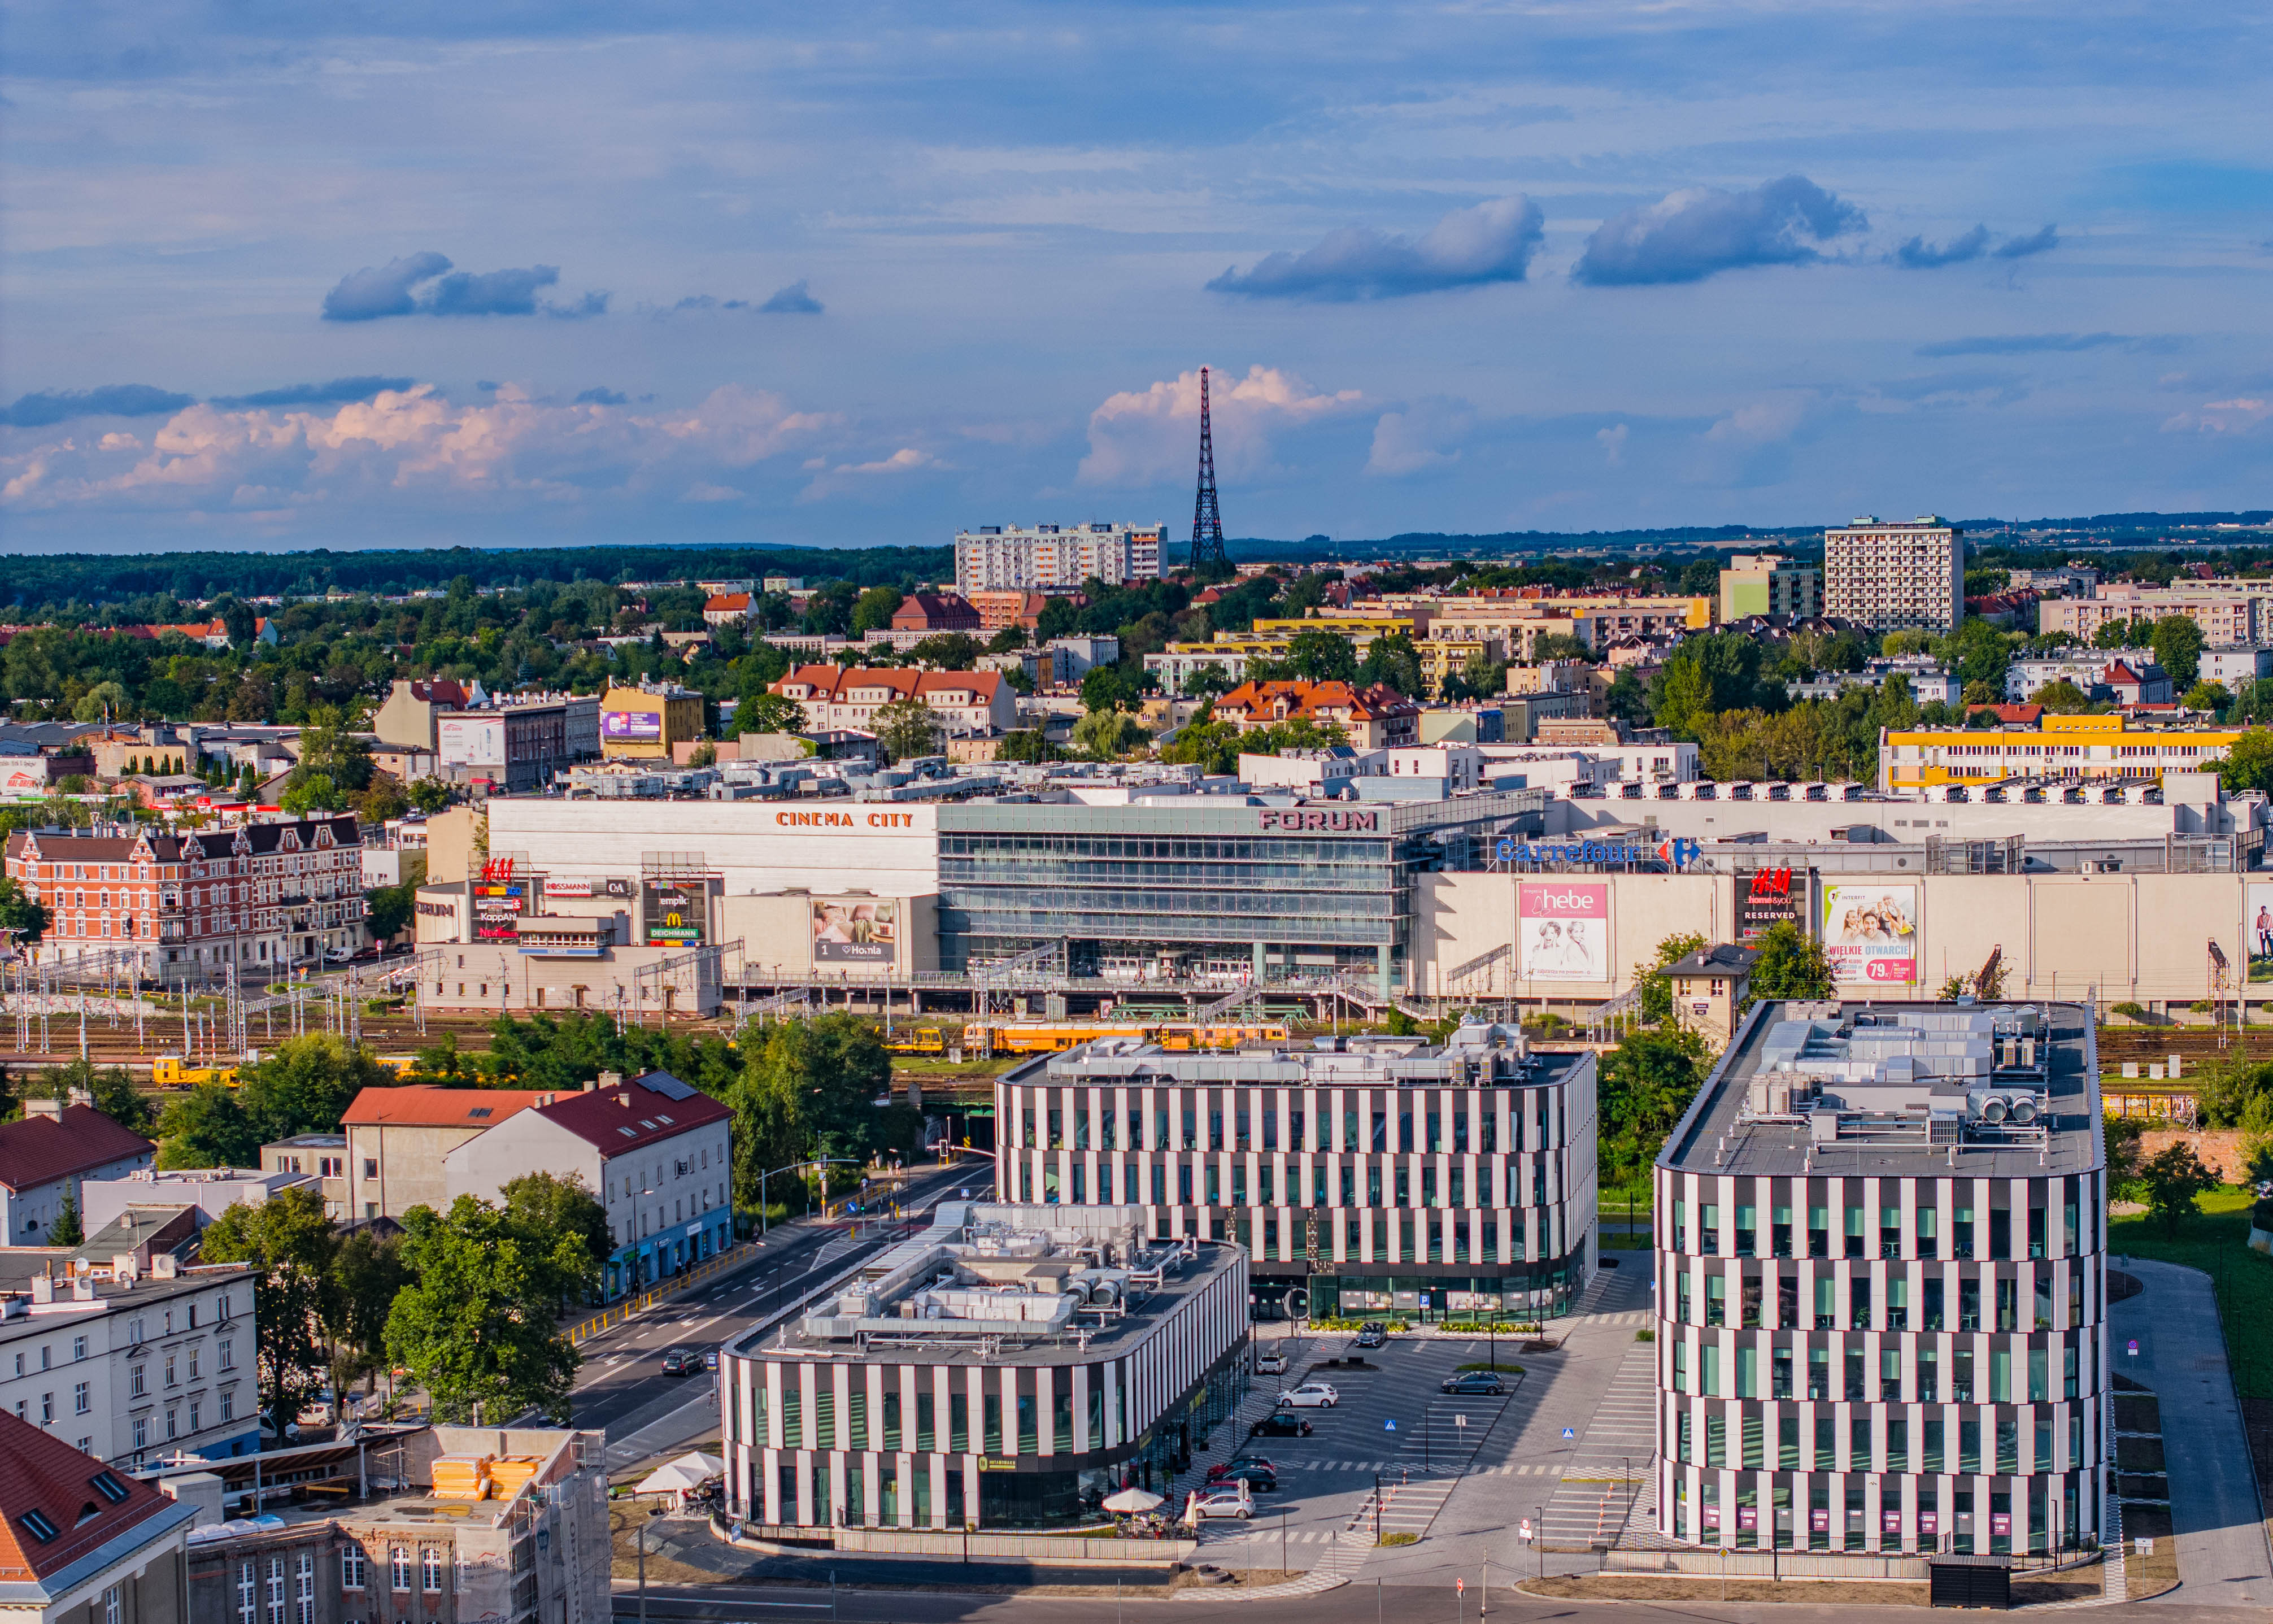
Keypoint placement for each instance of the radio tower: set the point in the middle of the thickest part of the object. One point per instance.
(1207, 522)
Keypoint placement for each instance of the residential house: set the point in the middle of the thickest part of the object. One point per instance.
(969, 702)
(45, 1157)
(931, 613)
(1374, 716)
(83, 1544)
(397, 1137)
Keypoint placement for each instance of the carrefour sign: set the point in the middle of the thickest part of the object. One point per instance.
(1677, 853)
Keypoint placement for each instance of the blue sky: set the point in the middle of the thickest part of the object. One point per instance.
(402, 272)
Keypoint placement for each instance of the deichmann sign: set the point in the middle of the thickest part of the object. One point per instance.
(1563, 932)
(677, 912)
(1313, 820)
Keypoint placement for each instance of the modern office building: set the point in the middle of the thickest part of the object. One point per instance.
(1768, 583)
(1886, 576)
(1007, 1368)
(1362, 1175)
(1881, 1284)
(1207, 886)
(999, 557)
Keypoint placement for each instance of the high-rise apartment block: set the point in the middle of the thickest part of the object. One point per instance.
(1886, 576)
(999, 558)
(1768, 583)
(2230, 613)
(1362, 1175)
(1882, 1284)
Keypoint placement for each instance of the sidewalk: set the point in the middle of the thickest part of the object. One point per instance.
(2224, 1560)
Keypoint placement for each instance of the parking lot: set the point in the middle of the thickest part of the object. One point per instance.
(1455, 1472)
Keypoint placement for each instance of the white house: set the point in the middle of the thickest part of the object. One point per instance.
(654, 1151)
(43, 1158)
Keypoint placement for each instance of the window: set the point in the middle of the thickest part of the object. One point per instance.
(228, 1403)
(398, 1562)
(304, 1591)
(430, 1570)
(110, 1603)
(108, 1486)
(79, 1347)
(141, 1431)
(246, 1609)
(227, 1355)
(36, 1523)
(79, 1402)
(355, 1569)
(276, 1589)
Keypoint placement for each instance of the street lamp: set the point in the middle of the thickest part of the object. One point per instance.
(639, 1541)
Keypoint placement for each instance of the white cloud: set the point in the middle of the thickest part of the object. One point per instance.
(2233, 417)
(1421, 437)
(1762, 423)
(1613, 442)
(853, 476)
(704, 491)
(409, 445)
(1151, 436)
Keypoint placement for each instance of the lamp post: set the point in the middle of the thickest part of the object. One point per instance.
(639, 1541)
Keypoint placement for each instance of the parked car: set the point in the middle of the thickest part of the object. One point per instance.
(1309, 1395)
(1260, 1480)
(1280, 1424)
(1271, 1362)
(681, 1362)
(1221, 1469)
(1225, 1503)
(1476, 1381)
(1372, 1333)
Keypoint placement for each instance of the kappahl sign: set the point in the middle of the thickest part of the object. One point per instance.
(1310, 820)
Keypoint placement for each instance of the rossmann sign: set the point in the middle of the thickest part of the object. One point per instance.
(1320, 820)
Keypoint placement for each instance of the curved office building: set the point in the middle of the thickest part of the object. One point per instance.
(1880, 1274)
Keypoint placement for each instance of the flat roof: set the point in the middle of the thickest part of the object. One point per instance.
(1408, 1063)
(1718, 1135)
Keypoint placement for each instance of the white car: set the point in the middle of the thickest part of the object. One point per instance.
(1309, 1395)
(1222, 1503)
(1271, 1363)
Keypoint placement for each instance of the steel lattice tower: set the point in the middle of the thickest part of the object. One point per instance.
(1207, 522)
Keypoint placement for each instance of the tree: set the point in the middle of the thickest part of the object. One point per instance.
(1652, 984)
(388, 910)
(101, 702)
(703, 754)
(331, 748)
(367, 1274)
(2209, 696)
(1027, 744)
(811, 1089)
(1321, 657)
(1110, 688)
(906, 728)
(948, 650)
(67, 1230)
(1393, 662)
(2177, 640)
(476, 1326)
(873, 609)
(2062, 698)
(206, 1127)
(770, 713)
(289, 1244)
(543, 1208)
(1647, 1082)
(108, 1089)
(1791, 965)
(1009, 640)
(1907, 641)
(1108, 734)
(429, 796)
(1211, 745)
(2171, 1178)
(307, 1084)
(383, 802)
(311, 794)
(2247, 763)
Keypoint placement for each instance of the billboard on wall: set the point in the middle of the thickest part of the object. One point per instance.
(2257, 929)
(855, 930)
(470, 741)
(497, 907)
(1773, 897)
(677, 912)
(1870, 932)
(637, 725)
(1563, 932)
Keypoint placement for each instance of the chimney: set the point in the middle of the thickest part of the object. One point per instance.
(612, 1079)
(53, 1109)
(43, 1289)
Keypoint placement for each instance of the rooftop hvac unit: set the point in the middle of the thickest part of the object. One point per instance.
(2024, 1109)
(1992, 1108)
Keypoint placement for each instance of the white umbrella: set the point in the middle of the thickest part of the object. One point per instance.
(690, 1471)
(1132, 1501)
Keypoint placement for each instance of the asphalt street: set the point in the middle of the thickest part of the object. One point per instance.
(621, 1386)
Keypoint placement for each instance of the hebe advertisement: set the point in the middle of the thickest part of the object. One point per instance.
(1563, 932)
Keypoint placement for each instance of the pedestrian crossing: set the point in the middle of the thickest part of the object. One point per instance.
(1526, 1468)
(1612, 1462)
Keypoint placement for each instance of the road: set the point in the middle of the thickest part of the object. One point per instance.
(621, 1386)
(1354, 1603)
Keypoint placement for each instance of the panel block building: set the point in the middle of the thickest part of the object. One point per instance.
(1881, 1284)
(1002, 558)
(1888, 574)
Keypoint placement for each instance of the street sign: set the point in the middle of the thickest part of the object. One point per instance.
(2131, 1347)
(1459, 1420)
(1570, 1432)
(1523, 1528)
(1460, 1587)
(1389, 1426)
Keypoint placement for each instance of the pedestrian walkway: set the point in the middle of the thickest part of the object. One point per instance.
(1591, 1505)
(1231, 1434)
(2224, 1560)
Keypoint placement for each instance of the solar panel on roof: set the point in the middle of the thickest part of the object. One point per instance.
(664, 1082)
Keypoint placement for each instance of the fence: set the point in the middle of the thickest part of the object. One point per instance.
(1069, 1550)
(616, 1312)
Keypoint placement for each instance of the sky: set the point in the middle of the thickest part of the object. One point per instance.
(541, 272)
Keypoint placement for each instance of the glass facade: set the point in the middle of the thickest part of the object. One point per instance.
(1201, 890)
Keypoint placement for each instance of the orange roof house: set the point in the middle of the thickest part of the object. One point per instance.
(1374, 716)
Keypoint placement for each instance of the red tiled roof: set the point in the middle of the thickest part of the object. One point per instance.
(633, 1114)
(2025, 716)
(1305, 698)
(420, 1106)
(44, 1481)
(723, 602)
(833, 682)
(39, 1150)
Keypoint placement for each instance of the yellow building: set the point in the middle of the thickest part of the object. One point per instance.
(2061, 746)
(639, 724)
(1363, 627)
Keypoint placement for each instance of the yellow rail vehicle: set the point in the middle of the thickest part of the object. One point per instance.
(172, 1072)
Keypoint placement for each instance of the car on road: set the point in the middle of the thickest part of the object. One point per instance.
(1476, 1381)
(1309, 1395)
(681, 1362)
(1271, 1362)
(1280, 1424)
(1259, 1480)
(1372, 1333)
(1224, 1503)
